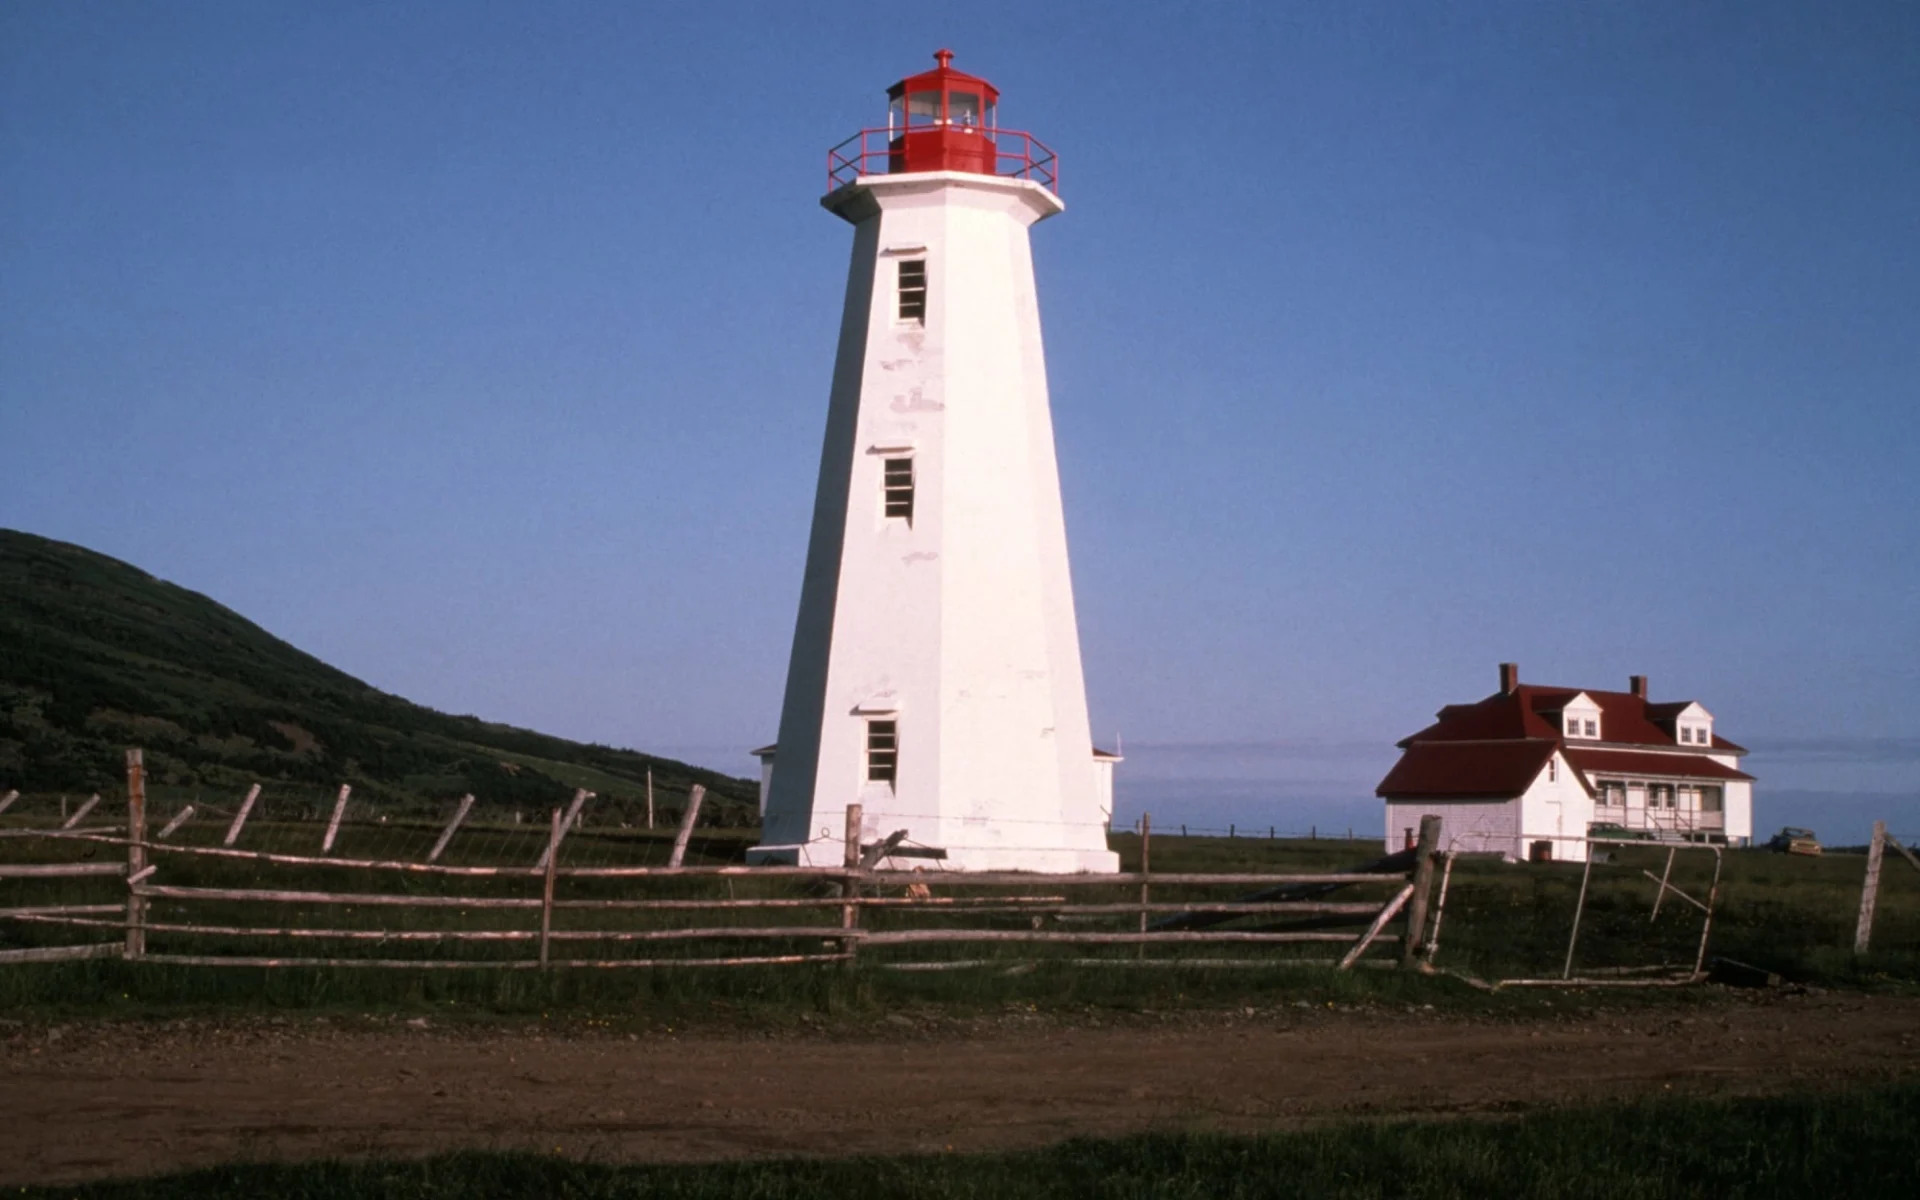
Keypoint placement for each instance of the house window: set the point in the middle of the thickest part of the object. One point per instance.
(1593, 729)
(1686, 733)
(1553, 770)
(1660, 795)
(883, 751)
(913, 291)
(1712, 799)
(1613, 793)
(898, 488)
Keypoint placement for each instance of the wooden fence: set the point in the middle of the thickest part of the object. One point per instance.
(222, 905)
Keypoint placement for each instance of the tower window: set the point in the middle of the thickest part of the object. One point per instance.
(913, 291)
(883, 751)
(899, 487)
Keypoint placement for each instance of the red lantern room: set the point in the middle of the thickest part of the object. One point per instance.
(939, 120)
(942, 120)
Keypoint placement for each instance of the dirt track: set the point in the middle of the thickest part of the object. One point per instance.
(88, 1101)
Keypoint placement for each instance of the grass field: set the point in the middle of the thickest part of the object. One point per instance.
(1861, 1145)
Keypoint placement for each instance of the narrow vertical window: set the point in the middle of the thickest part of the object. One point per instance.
(883, 751)
(913, 291)
(898, 488)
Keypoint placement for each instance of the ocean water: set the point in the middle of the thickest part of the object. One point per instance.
(1835, 786)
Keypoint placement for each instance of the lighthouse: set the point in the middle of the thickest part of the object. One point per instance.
(935, 678)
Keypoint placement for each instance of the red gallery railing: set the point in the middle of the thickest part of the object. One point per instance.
(1014, 155)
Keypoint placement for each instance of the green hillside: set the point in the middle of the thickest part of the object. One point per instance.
(96, 655)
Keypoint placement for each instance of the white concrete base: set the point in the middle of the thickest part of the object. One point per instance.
(1043, 861)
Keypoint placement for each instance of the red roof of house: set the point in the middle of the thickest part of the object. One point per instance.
(1491, 770)
(1625, 719)
(1639, 762)
(1496, 747)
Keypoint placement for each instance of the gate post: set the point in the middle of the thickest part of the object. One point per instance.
(1870, 888)
(1422, 889)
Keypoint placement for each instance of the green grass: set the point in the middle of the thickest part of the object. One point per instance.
(1860, 1145)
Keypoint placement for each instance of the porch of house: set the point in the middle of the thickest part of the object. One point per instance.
(1669, 810)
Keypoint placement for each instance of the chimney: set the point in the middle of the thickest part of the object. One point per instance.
(1509, 678)
(1637, 684)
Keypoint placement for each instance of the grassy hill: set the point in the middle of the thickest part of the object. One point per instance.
(97, 655)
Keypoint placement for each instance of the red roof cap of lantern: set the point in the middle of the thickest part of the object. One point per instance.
(942, 78)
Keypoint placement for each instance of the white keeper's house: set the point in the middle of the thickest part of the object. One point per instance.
(1531, 771)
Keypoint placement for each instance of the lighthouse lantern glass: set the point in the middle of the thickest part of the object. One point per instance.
(963, 108)
(923, 108)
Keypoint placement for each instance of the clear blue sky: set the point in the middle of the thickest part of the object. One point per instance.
(482, 350)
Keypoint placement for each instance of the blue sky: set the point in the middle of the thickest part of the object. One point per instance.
(482, 350)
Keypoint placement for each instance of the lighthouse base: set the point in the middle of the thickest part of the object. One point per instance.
(1040, 861)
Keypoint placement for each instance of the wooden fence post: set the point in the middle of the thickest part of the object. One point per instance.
(446, 835)
(171, 827)
(1146, 865)
(136, 852)
(850, 890)
(80, 814)
(546, 894)
(1422, 888)
(240, 818)
(580, 798)
(649, 797)
(1870, 888)
(694, 797)
(333, 826)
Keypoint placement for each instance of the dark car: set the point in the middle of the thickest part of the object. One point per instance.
(1613, 831)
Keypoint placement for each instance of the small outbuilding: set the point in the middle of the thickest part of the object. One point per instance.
(1532, 771)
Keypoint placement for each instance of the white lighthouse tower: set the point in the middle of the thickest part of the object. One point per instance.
(935, 677)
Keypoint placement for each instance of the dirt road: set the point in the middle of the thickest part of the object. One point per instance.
(87, 1101)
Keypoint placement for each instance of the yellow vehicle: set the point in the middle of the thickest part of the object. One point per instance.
(1792, 840)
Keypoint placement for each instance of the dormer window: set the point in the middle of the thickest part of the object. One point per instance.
(1580, 718)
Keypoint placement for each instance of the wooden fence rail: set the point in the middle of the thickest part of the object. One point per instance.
(828, 914)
